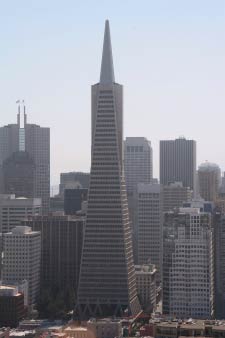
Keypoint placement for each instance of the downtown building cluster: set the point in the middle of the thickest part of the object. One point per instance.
(116, 240)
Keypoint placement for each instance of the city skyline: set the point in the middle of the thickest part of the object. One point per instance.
(175, 53)
(136, 233)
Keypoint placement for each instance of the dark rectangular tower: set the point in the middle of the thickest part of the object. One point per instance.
(178, 162)
(107, 284)
(61, 243)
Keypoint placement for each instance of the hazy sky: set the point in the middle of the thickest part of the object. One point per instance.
(168, 54)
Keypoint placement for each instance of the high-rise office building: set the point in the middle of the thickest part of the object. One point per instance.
(219, 231)
(149, 224)
(178, 162)
(174, 195)
(222, 185)
(35, 140)
(73, 199)
(220, 200)
(56, 204)
(19, 175)
(138, 169)
(209, 180)
(69, 183)
(107, 284)
(188, 264)
(61, 242)
(137, 162)
(73, 180)
(14, 210)
(22, 258)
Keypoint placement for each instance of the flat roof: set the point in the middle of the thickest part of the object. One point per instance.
(220, 327)
(195, 324)
(168, 324)
(75, 328)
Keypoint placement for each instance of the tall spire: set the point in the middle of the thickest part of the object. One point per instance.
(107, 71)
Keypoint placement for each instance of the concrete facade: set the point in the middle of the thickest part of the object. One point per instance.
(188, 264)
(14, 210)
(22, 258)
(105, 328)
(149, 224)
(146, 286)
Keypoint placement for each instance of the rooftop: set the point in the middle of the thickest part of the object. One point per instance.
(22, 230)
(75, 328)
(168, 324)
(145, 268)
(21, 333)
(195, 324)
(208, 166)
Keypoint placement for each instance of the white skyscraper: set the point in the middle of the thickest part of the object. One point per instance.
(22, 257)
(107, 284)
(188, 264)
(14, 210)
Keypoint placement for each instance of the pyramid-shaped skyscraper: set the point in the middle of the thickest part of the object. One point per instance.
(107, 285)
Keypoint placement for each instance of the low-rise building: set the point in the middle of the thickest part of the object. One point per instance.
(12, 308)
(21, 261)
(192, 328)
(17, 333)
(146, 286)
(105, 328)
(169, 327)
(166, 330)
(75, 331)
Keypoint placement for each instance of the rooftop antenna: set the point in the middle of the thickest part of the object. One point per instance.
(21, 121)
(24, 113)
